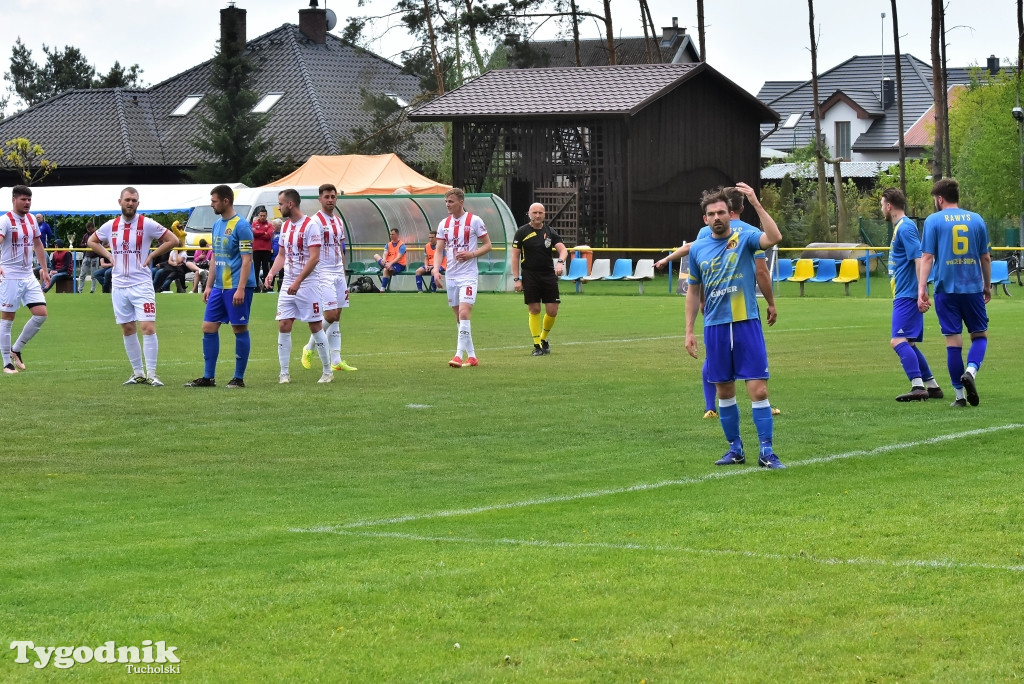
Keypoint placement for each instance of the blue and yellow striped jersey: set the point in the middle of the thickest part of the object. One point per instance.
(231, 239)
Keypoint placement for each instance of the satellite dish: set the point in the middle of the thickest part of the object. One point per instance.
(332, 19)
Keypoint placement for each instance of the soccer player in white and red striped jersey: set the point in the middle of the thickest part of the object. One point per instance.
(130, 237)
(462, 238)
(301, 293)
(19, 238)
(332, 278)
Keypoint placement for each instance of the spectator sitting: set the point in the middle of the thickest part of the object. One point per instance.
(174, 270)
(60, 265)
(102, 274)
(156, 267)
(200, 265)
(393, 261)
(429, 252)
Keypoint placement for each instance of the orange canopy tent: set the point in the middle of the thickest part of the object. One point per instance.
(358, 174)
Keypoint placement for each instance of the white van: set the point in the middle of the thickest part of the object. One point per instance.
(247, 201)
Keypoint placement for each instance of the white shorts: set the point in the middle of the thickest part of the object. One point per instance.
(18, 292)
(135, 303)
(335, 291)
(461, 292)
(306, 305)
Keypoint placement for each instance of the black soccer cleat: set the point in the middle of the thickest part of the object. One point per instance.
(537, 351)
(970, 388)
(202, 382)
(959, 403)
(915, 394)
(16, 358)
(935, 393)
(545, 346)
(235, 383)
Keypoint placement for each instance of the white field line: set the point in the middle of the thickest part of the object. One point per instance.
(121, 363)
(658, 548)
(643, 487)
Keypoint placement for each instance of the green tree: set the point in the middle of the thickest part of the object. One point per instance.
(919, 186)
(389, 129)
(64, 69)
(983, 145)
(26, 159)
(231, 134)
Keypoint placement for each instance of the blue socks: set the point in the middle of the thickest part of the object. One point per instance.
(384, 283)
(911, 362)
(419, 283)
(926, 371)
(709, 389)
(976, 354)
(241, 353)
(764, 423)
(211, 350)
(729, 417)
(955, 362)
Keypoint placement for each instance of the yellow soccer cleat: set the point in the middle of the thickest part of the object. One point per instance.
(307, 358)
(343, 366)
(710, 414)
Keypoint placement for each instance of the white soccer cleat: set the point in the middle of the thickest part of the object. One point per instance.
(326, 377)
(136, 380)
(155, 381)
(284, 379)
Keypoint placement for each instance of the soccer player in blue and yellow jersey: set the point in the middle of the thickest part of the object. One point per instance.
(956, 241)
(907, 320)
(229, 289)
(764, 282)
(724, 266)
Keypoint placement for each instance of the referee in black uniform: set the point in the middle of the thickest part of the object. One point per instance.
(534, 275)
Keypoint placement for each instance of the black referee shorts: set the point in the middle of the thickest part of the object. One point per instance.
(540, 286)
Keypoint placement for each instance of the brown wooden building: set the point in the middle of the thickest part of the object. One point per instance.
(626, 150)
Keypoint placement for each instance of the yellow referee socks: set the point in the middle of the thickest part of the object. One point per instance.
(549, 323)
(535, 327)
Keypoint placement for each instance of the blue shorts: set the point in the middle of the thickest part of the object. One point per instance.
(954, 309)
(395, 268)
(736, 351)
(220, 309)
(907, 319)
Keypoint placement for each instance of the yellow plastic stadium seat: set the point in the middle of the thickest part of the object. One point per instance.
(803, 271)
(849, 272)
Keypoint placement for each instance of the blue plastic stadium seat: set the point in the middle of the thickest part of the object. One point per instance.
(577, 269)
(1000, 276)
(826, 271)
(622, 268)
(785, 269)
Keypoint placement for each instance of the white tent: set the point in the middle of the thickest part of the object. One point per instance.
(102, 199)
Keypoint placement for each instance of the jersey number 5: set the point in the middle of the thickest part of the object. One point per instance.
(960, 240)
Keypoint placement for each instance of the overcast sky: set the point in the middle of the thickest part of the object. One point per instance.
(749, 41)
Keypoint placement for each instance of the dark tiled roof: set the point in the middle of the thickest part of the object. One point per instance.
(567, 92)
(861, 75)
(868, 169)
(320, 106)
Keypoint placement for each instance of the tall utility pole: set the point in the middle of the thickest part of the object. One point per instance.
(938, 90)
(899, 97)
(700, 30)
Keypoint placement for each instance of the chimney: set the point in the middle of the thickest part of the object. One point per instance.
(888, 93)
(993, 65)
(671, 36)
(313, 23)
(232, 26)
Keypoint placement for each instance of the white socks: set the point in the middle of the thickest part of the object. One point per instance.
(320, 340)
(334, 341)
(32, 326)
(465, 340)
(284, 350)
(5, 339)
(134, 349)
(151, 349)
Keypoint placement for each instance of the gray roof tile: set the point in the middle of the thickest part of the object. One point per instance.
(565, 92)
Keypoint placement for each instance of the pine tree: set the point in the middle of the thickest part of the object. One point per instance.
(231, 134)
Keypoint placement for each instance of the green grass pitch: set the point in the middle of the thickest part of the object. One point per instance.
(559, 518)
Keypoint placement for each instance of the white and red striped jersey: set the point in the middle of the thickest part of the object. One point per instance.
(332, 251)
(129, 245)
(460, 235)
(296, 239)
(20, 235)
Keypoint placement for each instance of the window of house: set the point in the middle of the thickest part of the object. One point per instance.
(792, 121)
(187, 105)
(843, 144)
(398, 99)
(268, 101)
